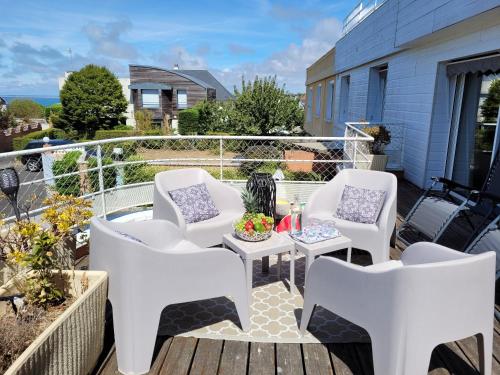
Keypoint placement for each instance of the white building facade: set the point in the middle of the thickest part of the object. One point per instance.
(422, 63)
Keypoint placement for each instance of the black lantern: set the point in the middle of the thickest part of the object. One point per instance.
(9, 184)
(263, 186)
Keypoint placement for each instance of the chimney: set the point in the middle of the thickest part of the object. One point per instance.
(176, 67)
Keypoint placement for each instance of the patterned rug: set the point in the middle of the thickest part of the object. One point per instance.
(275, 314)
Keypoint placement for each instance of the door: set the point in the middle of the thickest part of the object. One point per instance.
(474, 134)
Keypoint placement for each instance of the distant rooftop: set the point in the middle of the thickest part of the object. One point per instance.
(359, 13)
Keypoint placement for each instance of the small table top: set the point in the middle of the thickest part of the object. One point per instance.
(275, 244)
(323, 247)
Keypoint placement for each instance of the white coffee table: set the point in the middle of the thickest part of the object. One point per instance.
(250, 251)
(311, 251)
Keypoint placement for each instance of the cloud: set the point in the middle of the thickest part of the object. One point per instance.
(289, 65)
(181, 56)
(105, 39)
(239, 49)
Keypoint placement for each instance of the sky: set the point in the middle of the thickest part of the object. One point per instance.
(40, 40)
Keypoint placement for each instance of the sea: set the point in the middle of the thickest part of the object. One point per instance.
(46, 101)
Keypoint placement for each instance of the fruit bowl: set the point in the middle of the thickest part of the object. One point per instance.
(254, 227)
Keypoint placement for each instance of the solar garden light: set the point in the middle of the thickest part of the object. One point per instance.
(9, 184)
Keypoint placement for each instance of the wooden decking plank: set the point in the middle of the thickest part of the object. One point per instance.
(456, 362)
(160, 357)
(261, 359)
(207, 357)
(364, 352)
(344, 359)
(289, 359)
(110, 365)
(234, 358)
(179, 356)
(496, 345)
(470, 349)
(317, 359)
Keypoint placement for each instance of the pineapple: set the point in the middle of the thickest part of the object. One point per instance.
(249, 201)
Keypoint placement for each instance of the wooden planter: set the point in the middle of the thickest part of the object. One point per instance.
(374, 163)
(73, 342)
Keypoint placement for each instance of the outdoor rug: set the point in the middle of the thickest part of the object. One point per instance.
(275, 314)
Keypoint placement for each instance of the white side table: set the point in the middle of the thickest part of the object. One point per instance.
(311, 251)
(250, 251)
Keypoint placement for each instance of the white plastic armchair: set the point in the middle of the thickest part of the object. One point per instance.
(153, 266)
(432, 296)
(374, 238)
(204, 233)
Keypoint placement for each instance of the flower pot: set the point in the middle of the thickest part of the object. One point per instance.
(73, 342)
(374, 162)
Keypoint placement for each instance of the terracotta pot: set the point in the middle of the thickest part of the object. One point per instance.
(73, 342)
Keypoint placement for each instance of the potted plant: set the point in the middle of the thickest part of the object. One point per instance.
(377, 159)
(56, 323)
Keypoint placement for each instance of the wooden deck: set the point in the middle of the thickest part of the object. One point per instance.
(186, 355)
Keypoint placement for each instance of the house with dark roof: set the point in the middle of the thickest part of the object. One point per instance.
(165, 92)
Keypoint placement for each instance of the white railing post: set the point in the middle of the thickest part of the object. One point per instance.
(221, 155)
(354, 152)
(101, 180)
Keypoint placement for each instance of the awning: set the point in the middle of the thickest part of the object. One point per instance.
(485, 65)
(149, 86)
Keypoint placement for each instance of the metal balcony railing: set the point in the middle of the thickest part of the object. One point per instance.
(359, 13)
(118, 174)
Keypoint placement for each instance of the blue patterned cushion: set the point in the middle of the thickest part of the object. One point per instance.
(360, 205)
(195, 203)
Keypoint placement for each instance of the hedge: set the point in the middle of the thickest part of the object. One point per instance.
(67, 185)
(188, 121)
(138, 172)
(108, 174)
(20, 143)
(114, 133)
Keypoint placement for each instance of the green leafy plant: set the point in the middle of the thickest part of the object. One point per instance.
(249, 201)
(26, 109)
(108, 174)
(20, 143)
(143, 120)
(188, 121)
(489, 108)
(37, 253)
(138, 172)
(67, 185)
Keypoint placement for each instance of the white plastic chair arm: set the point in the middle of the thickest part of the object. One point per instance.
(428, 252)
(227, 197)
(166, 209)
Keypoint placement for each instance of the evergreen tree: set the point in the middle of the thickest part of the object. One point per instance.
(92, 99)
(489, 108)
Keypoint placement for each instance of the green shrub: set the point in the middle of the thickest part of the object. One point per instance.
(67, 185)
(138, 172)
(123, 127)
(259, 152)
(188, 121)
(20, 143)
(26, 109)
(114, 133)
(108, 174)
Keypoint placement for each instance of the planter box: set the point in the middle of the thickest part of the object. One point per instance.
(299, 166)
(73, 342)
(374, 163)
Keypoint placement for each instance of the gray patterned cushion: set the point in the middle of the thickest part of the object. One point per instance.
(360, 205)
(195, 203)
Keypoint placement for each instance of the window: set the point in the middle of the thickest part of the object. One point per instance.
(329, 101)
(150, 99)
(309, 103)
(182, 99)
(318, 101)
(376, 93)
(344, 97)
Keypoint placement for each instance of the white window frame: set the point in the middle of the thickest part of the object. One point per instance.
(317, 102)
(150, 98)
(183, 104)
(329, 101)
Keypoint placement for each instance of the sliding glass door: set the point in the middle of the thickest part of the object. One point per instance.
(474, 134)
